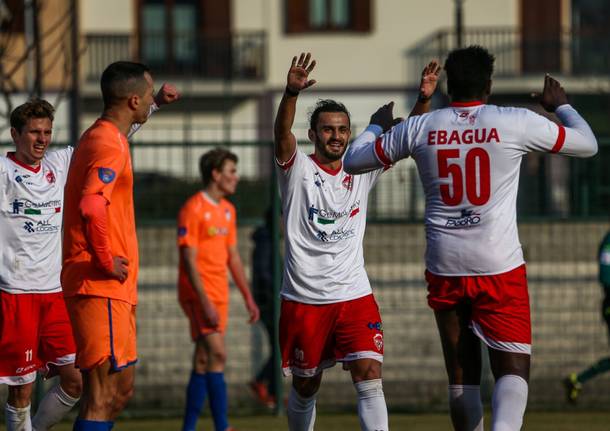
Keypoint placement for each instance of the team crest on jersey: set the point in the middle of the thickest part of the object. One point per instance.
(106, 175)
(348, 182)
(50, 177)
(181, 231)
(378, 340)
(18, 179)
(228, 215)
(207, 215)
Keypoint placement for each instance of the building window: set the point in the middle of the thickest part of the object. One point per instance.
(168, 33)
(307, 16)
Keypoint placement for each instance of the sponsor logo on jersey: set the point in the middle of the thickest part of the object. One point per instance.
(50, 176)
(35, 208)
(467, 136)
(467, 218)
(43, 226)
(106, 175)
(326, 217)
(217, 230)
(335, 235)
(378, 340)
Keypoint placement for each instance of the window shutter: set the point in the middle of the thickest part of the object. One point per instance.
(296, 16)
(361, 15)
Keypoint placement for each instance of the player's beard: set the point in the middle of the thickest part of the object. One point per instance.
(328, 155)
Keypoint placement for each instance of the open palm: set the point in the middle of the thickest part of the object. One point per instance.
(429, 79)
(298, 75)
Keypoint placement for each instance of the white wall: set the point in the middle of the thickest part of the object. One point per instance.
(371, 59)
(107, 16)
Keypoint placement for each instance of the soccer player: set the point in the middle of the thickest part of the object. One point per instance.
(207, 242)
(468, 157)
(100, 250)
(573, 383)
(32, 182)
(328, 311)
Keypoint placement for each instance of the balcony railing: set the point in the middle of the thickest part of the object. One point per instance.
(569, 53)
(241, 56)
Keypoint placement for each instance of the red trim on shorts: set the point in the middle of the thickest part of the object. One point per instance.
(11, 156)
(466, 104)
(381, 154)
(561, 137)
(325, 168)
(287, 164)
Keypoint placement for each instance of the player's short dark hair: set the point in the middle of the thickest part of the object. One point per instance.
(35, 108)
(121, 79)
(326, 105)
(468, 71)
(214, 160)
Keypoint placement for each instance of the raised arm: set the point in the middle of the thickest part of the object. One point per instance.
(576, 139)
(167, 94)
(427, 86)
(296, 81)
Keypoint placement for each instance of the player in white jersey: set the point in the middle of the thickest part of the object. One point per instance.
(35, 331)
(328, 310)
(468, 157)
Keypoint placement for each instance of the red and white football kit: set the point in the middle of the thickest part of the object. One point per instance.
(468, 157)
(35, 330)
(328, 312)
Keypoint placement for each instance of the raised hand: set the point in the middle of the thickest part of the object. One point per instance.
(384, 117)
(553, 94)
(429, 80)
(167, 94)
(298, 75)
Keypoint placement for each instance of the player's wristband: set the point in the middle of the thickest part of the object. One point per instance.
(290, 92)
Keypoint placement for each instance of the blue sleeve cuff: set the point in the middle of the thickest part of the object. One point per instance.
(375, 129)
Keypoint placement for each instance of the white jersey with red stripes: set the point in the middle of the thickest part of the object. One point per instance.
(468, 157)
(31, 202)
(324, 215)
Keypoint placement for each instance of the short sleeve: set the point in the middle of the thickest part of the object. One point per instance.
(188, 226)
(106, 165)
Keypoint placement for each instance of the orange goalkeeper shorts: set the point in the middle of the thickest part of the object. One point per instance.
(104, 329)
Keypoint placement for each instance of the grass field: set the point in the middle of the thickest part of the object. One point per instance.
(534, 421)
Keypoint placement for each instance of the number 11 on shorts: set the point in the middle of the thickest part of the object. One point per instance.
(28, 355)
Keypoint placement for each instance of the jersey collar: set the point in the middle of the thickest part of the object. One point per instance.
(324, 168)
(466, 104)
(11, 155)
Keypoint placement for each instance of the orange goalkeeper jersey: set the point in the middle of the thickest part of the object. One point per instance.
(210, 227)
(101, 164)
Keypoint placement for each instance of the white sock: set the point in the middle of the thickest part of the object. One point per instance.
(372, 410)
(53, 407)
(508, 403)
(301, 412)
(466, 407)
(17, 419)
